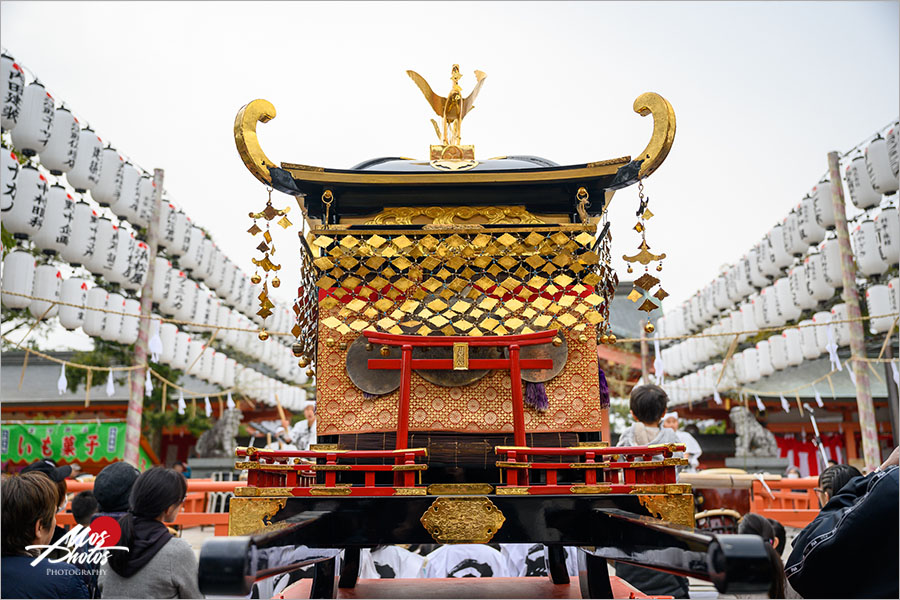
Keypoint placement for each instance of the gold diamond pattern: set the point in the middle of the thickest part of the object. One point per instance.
(465, 282)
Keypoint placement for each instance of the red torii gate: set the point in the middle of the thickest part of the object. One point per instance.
(460, 361)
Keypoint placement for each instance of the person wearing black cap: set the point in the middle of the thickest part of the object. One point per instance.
(58, 476)
(112, 487)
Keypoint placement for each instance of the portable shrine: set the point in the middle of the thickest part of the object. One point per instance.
(450, 309)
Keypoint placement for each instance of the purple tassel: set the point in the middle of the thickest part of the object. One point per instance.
(604, 390)
(536, 396)
(368, 396)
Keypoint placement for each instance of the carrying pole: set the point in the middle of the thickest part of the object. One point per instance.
(136, 398)
(850, 295)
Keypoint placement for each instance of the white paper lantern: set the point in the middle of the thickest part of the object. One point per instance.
(751, 365)
(810, 231)
(894, 286)
(106, 241)
(202, 307)
(204, 367)
(204, 270)
(793, 347)
(128, 203)
(821, 329)
(866, 249)
(182, 345)
(230, 373)
(187, 303)
(888, 226)
(26, 216)
(772, 313)
(758, 278)
(764, 358)
(89, 162)
(793, 243)
(878, 301)
(94, 317)
(799, 290)
(146, 198)
(73, 290)
(167, 333)
(59, 155)
(18, 278)
(130, 327)
(56, 229)
(823, 204)
(12, 85)
(830, 261)
(9, 173)
(789, 309)
(778, 352)
(777, 245)
(47, 279)
(878, 166)
(219, 366)
(108, 190)
(173, 299)
(138, 264)
(182, 229)
(743, 282)
(166, 229)
(119, 271)
(893, 147)
(191, 259)
(113, 324)
(809, 345)
(766, 261)
(840, 312)
(83, 236)
(35, 123)
(227, 280)
(862, 194)
(194, 350)
(217, 273)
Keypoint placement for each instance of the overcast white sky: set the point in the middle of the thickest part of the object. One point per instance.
(762, 92)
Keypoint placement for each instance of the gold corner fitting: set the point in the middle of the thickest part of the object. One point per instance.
(249, 515)
(651, 103)
(674, 508)
(256, 161)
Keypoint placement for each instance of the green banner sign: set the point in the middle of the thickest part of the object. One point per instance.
(64, 443)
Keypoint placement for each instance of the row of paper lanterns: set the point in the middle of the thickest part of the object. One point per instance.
(21, 275)
(690, 354)
(789, 348)
(53, 134)
(270, 391)
(875, 240)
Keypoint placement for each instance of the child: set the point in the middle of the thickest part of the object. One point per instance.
(648, 405)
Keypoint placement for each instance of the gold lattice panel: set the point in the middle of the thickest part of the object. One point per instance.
(472, 281)
(484, 406)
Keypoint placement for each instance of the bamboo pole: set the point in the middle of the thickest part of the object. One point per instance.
(850, 295)
(136, 399)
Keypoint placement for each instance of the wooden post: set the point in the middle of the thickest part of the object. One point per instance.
(891, 390)
(136, 399)
(850, 295)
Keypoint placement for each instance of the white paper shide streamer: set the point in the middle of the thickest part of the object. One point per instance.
(181, 404)
(110, 385)
(62, 383)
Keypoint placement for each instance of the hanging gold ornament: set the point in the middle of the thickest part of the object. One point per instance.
(263, 335)
(310, 372)
(276, 282)
(649, 328)
(255, 278)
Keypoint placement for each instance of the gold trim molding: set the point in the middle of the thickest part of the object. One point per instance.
(462, 520)
(447, 215)
(459, 489)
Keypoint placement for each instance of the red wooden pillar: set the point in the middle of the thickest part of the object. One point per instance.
(403, 409)
(518, 402)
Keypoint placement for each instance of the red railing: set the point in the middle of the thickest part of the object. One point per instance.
(271, 469)
(618, 470)
(791, 502)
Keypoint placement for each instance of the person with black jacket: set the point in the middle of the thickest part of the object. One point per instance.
(855, 533)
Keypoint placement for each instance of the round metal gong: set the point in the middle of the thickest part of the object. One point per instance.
(559, 354)
(371, 381)
(451, 378)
